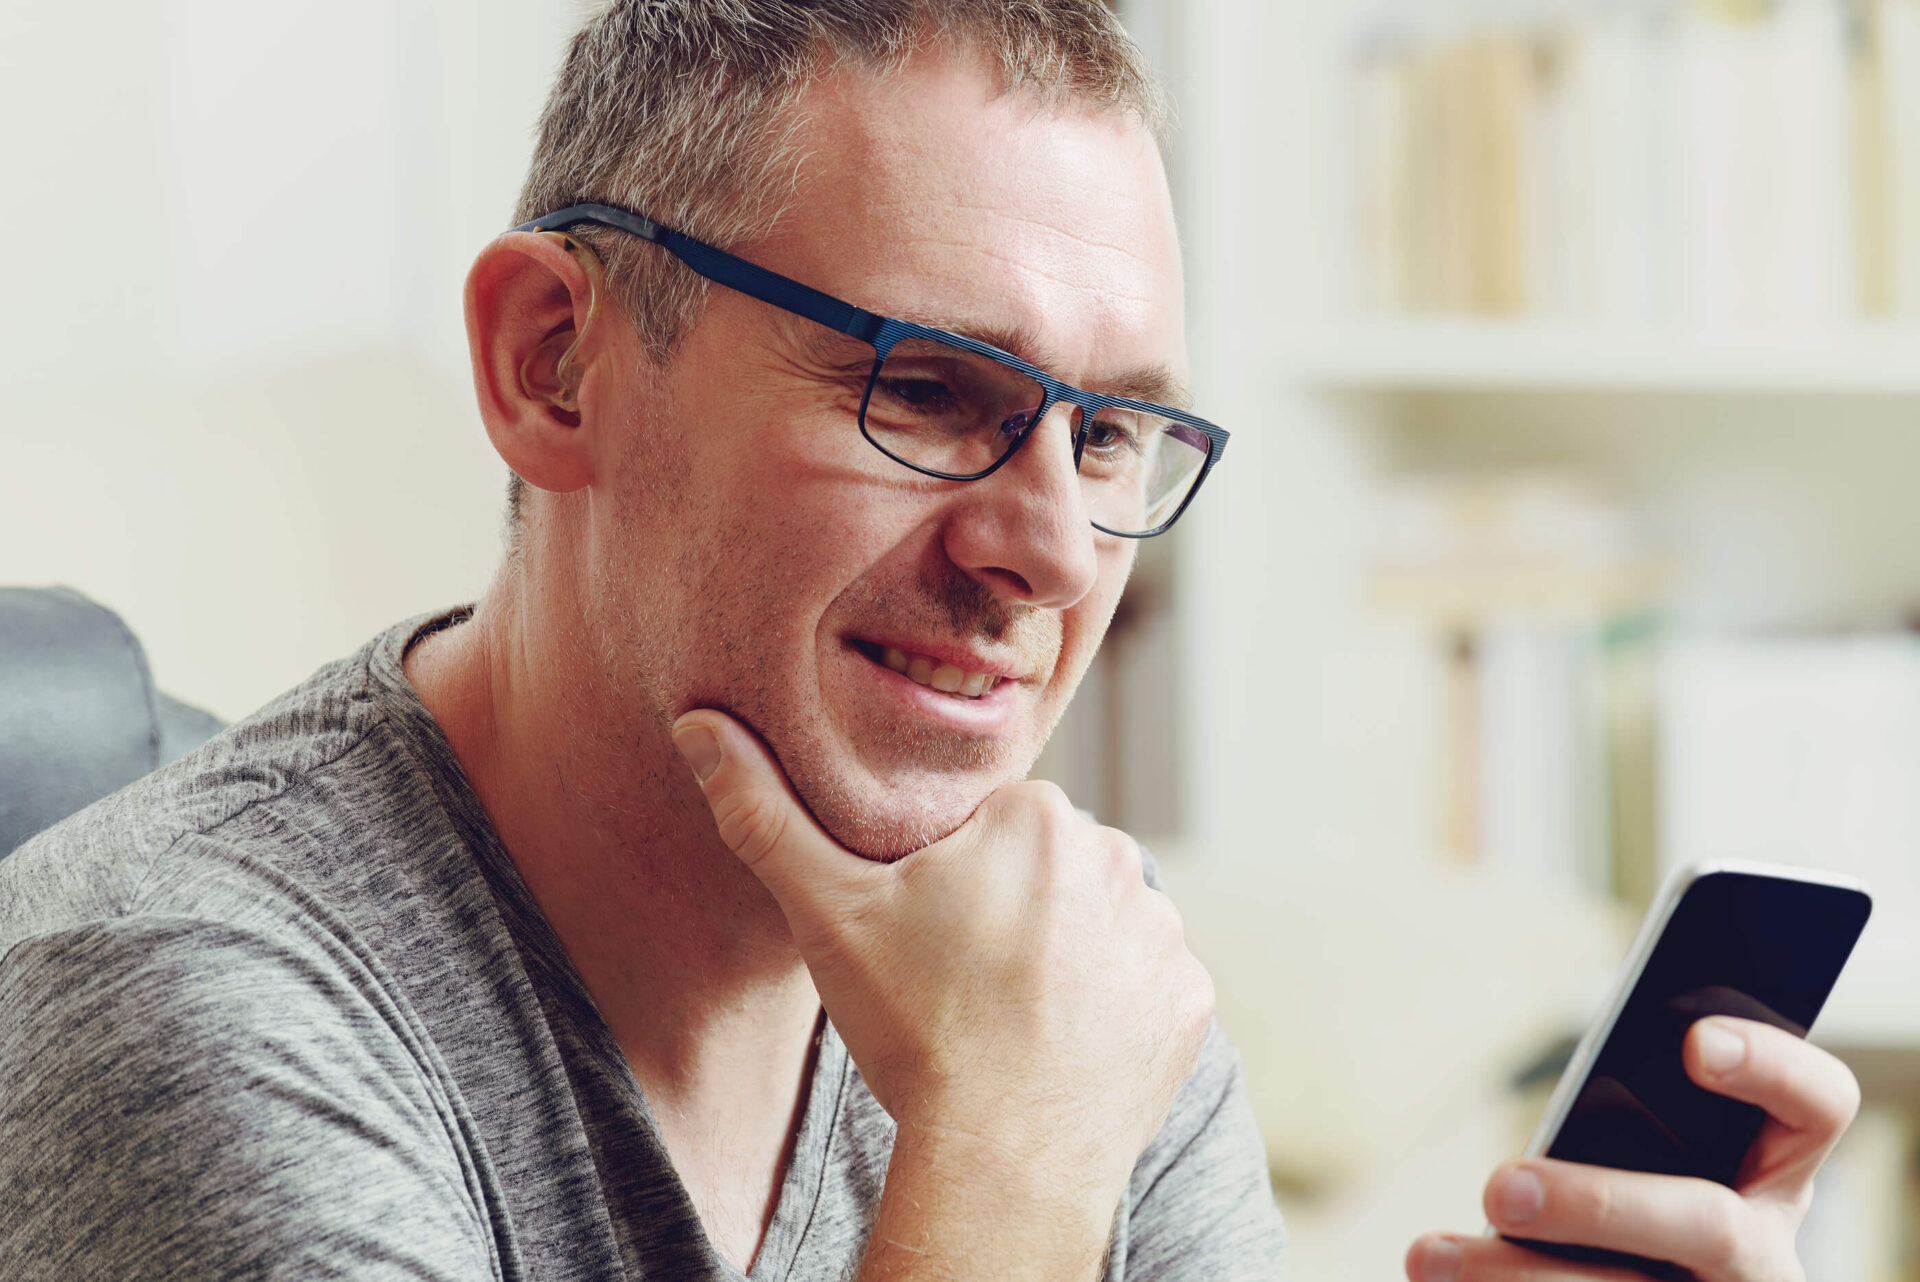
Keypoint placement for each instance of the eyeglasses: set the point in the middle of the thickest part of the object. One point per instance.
(956, 408)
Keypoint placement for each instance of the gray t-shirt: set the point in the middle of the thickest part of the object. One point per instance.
(285, 1008)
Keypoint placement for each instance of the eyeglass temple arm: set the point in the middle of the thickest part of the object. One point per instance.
(722, 268)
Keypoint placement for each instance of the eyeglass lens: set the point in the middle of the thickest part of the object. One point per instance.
(946, 409)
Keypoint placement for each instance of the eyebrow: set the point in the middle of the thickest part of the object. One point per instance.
(1154, 383)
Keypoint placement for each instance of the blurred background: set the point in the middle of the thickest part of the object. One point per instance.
(1572, 355)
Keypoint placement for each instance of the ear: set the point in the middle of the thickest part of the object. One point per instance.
(537, 318)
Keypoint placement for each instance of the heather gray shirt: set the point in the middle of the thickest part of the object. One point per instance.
(286, 1009)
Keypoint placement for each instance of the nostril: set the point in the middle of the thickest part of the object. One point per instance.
(1016, 582)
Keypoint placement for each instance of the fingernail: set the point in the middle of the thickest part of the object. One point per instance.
(1518, 1197)
(1441, 1262)
(1721, 1049)
(700, 749)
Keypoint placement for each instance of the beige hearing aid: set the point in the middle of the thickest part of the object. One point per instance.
(566, 370)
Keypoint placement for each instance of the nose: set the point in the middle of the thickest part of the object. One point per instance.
(1025, 531)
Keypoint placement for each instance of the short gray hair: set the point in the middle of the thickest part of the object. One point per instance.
(682, 110)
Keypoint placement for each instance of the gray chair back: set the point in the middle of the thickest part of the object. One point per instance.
(79, 717)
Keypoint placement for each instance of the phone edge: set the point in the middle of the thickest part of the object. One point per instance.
(1672, 891)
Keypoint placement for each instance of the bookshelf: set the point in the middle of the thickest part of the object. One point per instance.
(1767, 442)
(1476, 354)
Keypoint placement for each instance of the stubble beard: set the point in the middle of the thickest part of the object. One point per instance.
(882, 788)
(923, 782)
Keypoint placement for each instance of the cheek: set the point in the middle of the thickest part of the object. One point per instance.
(1085, 626)
(763, 542)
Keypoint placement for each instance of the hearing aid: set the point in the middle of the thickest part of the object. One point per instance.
(567, 371)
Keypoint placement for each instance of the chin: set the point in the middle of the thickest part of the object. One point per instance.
(884, 822)
(886, 787)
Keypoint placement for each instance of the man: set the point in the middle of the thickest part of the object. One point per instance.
(502, 948)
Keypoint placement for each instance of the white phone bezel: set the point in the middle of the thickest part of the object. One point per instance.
(1654, 925)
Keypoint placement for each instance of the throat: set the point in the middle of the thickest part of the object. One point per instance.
(732, 1135)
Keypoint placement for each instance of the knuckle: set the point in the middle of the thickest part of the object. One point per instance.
(1585, 1201)
(1059, 809)
(1801, 1201)
(1204, 996)
(1812, 1085)
(1719, 1229)
(1042, 795)
(1818, 1083)
(1846, 1101)
(1121, 848)
(1121, 858)
(1188, 995)
(1039, 807)
(1165, 915)
(750, 826)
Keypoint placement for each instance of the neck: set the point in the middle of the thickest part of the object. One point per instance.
(684, 952)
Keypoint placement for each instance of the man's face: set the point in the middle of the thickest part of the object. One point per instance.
(753, 553)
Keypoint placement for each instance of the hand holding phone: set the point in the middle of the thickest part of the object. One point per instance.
(1650, 1152)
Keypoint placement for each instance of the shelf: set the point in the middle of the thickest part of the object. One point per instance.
(1872, 1007)
(1386, 998)
(1469, 355)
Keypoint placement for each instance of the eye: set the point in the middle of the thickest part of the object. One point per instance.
(926, 394)
(1110, 437)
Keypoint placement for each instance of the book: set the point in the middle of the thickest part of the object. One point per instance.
(1749, 165)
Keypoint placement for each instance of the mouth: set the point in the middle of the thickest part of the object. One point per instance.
(934, 673)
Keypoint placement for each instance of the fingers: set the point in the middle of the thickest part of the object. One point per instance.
(1709, 1230)
(1698, 1224)
(1810, 1096)
(756, 811)
(1450, 1258)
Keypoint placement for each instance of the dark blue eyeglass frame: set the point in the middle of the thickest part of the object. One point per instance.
(884, 333)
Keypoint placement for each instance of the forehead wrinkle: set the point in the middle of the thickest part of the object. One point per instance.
(1031, 268)
(1022, 339)
(1023, 219)
(980, 238)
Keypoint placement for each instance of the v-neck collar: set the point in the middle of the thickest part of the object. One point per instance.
(613, 1110)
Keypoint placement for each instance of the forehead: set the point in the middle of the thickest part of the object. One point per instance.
(929, 194)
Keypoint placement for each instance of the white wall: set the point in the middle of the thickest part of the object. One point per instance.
(1264, 569)
(237, 407)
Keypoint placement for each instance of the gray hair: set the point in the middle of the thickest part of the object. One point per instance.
(682, 110)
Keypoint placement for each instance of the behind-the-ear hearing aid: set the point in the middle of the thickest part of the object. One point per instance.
(566, 370)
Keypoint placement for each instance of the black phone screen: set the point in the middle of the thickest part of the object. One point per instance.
(1745, 944)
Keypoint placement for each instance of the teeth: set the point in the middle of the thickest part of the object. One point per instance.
(944, 677)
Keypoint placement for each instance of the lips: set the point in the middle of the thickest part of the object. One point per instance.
(933, 671)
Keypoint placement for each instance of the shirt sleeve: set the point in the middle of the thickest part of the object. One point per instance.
(182, 1099)
(1200, 1205)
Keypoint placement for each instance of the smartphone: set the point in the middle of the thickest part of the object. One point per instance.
(1758, 941)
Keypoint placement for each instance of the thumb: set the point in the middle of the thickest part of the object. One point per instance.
(756, 811)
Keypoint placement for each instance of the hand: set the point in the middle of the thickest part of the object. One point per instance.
(1744, 1234)
(1017, 983)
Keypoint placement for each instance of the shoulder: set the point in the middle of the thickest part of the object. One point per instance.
(182, 1097)
(294, 757)
(190, 1017)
